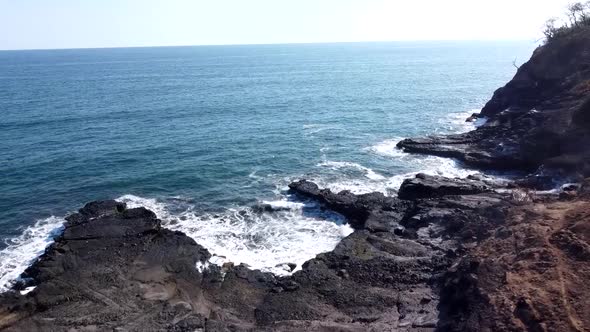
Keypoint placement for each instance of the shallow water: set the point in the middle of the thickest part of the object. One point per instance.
(202, 134)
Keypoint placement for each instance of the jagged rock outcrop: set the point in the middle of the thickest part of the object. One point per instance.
(536, 122)
(373, 207)
(525, 272)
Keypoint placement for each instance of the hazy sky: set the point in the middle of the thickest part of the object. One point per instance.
(26, 24)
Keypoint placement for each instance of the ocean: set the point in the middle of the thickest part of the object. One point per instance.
(205, 136)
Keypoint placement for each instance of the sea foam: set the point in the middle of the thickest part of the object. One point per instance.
(369, 173)
(387, 148)
(430, 165)
(23, 250)
(266, 241)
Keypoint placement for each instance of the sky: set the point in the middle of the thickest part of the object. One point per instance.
(50, 24)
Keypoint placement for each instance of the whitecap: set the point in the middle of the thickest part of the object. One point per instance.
(369, 173)
(254, 176)
(284, 204)
(314, 128)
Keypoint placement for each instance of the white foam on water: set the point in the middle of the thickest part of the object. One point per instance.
(357, 186)
(480, 122)
(369, 173)
(263, 241)
(284, 204)
(23, 250)
(151, 204)
(27, 290)
(456, 122)
(254, 176)
(387, 148)
(430, 165)
(446, 167)
(314, 128)
(201, 267)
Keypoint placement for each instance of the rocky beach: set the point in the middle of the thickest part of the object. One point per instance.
(445, 254)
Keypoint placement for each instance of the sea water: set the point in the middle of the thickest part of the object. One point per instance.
(206, 136)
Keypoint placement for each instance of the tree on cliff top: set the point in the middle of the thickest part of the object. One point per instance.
(578, 15)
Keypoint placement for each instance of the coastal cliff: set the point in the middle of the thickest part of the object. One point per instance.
(468, 254)
(536, 122)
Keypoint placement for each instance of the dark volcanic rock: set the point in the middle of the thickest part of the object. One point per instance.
(357, 208)
(473, 117)
(370, 281)
(379, 255)
(118, 268)
(507, 281)
(537, 119)
(428, 186)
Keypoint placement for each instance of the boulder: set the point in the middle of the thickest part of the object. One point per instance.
(356, 208)
(428, 186)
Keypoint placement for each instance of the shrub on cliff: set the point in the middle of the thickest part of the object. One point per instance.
(578, 17)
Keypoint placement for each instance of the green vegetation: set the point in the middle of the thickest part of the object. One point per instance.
(578, 17)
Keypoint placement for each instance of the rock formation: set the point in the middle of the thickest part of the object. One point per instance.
(116, 268)
(537, 122)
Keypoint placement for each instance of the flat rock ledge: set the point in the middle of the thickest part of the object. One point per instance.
(428, 186)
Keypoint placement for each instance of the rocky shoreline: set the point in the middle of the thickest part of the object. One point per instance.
(112, 264)
(446, 254)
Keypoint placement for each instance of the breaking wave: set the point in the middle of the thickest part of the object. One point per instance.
(23, 250)
(266, 237)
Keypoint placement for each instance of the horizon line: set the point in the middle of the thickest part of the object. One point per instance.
(271, 44)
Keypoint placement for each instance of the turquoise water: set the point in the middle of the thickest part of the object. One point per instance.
(203, 133)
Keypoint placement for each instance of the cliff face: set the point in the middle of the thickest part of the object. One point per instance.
(537, 122)
(557, 72)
